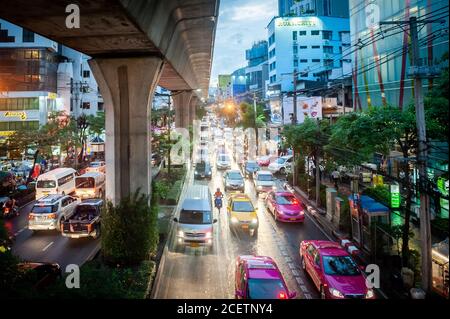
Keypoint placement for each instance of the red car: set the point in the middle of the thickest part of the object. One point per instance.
(258, 277)
(263, 161)
(333, 271)
(285, 207)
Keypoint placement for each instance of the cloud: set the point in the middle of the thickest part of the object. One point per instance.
(241, 22)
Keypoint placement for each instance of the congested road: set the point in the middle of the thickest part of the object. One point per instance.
(200, 273)
(48, 246)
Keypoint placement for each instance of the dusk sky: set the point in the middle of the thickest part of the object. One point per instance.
(240, 24)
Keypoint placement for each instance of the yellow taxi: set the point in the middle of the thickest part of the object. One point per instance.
(242, 214)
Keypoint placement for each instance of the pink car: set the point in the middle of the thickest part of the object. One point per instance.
(285, 207)
(333, 271)
(258, 277)
(263, 161)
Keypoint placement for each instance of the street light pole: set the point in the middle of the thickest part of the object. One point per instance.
(256, 127)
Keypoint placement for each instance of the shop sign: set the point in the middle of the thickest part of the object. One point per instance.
(442, 185)
(395, 196)
(21, 115)
(295, 22)
(52, 96)
(378, 180)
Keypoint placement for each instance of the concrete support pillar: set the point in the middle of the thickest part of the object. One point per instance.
(181, 102)
(127, 86)
(193, 109)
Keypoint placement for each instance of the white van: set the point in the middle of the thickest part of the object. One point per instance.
(90, 185)
(57, 181)
(195, 220)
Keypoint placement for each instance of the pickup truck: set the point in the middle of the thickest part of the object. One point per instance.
(84, 221)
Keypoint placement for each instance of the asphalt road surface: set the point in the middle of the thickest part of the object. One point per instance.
(48, 246)
(196, 273)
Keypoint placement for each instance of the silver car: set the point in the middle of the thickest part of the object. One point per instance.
(223, 161)
(233, 181)
(264, 182)
(50, 210)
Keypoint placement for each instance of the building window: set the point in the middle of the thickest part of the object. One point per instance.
(315, 32)
(86, 105)
(100, 106)
(302, 33)
(303, 47)
(295, 63)
(272, 39)
(303, 60)
(304, 74)
(315, 60)
(27, 36)
(294, 35)
(295, 48)
(86, 73)
(315, 47)
(327, 35)
(327, 49)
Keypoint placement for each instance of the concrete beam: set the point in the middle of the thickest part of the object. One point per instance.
(193, 109)
(127, 86)
(181, 101)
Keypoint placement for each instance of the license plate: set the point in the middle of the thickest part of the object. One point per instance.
(293, 219)
(245, 226)
(195, 245)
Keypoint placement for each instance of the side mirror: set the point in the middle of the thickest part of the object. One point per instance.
(175, 220)
(292, 294)
(214, 220)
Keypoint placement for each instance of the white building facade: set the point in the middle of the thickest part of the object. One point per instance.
(314, 48)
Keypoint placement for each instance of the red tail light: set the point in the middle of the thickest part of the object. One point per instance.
(89, 228)
(282, 295)
(6, 211)
(30, 217)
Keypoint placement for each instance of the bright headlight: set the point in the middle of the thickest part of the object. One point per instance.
(234, 220)
(274, 187)
(254, 220)
(180, 233)
(208, 235)
(260, 187)
(336, 293)
(370, 294)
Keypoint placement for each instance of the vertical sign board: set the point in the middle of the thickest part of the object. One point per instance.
(395, 196)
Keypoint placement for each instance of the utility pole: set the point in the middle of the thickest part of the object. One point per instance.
(256, 127)
(418, 72)
(294, 118)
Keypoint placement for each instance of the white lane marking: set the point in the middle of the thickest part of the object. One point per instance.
(46, 247)
(295, 273)
(308, 296)
(19, 231)
(299, 281)
(303, 288)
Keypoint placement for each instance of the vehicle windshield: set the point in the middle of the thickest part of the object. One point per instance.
(234, 176)
(195, 217)
(265, 288)
(265, 177)
(202, 166)
(340, 266)
(241, 206)
(44, 209)
(280, 161)
(251, 165)
(286, 200)
(224, 158)
(46, 184)
(84, 182)
(98, 164)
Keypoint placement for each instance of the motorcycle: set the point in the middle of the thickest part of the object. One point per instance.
(8, 211)
(218, 203)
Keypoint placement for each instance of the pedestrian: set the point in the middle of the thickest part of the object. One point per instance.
(335, 175)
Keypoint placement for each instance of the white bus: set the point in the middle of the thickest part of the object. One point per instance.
(57, 181)
(90, 185)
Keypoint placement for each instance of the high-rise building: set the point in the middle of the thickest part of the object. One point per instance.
(257, 69)
(284, 7)
(381, 66)
(238, 85)
(326, 8)
(28, 89)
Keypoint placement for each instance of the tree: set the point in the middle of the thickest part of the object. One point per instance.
(249, 120)
(309, 137)
(96, 124)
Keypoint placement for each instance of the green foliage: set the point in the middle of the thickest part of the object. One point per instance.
(96, 123)
(248, 116)
(162, 188)
(100, 281)
(127, 230)
(345, 220)
(174, 193)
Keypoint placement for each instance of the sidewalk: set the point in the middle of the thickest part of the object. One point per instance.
(319, 215)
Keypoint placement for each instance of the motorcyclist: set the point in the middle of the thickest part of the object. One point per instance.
(218, 198)
(11, 206)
